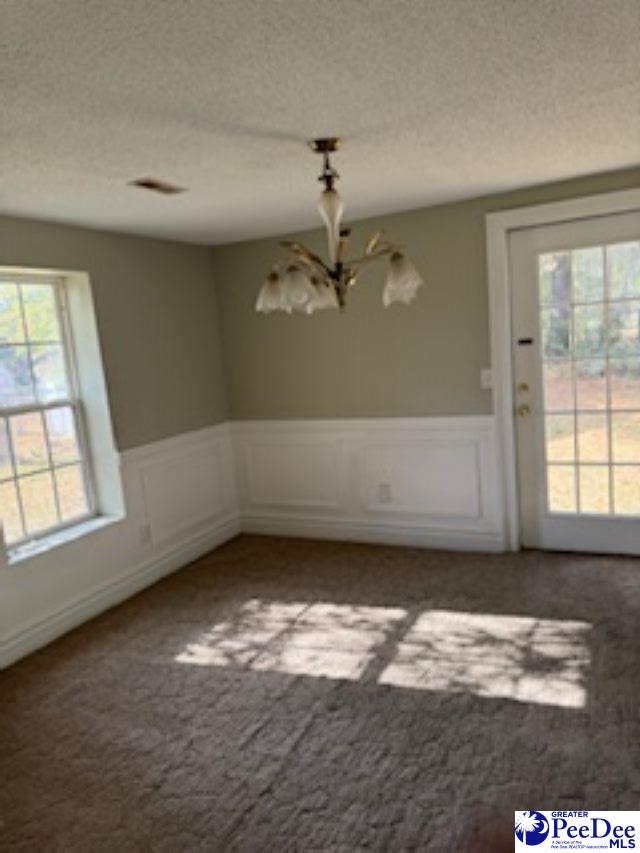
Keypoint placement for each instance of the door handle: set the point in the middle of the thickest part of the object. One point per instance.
(523, 410)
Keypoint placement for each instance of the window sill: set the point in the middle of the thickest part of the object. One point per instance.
(27, 550)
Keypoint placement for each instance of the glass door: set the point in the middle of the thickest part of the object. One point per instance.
(577, 368)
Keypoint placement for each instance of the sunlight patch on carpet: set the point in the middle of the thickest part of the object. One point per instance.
(320, 639)
(543, 661)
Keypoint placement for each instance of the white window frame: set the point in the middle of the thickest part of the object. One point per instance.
(73, 401)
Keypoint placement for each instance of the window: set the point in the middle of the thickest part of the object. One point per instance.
(45, 481)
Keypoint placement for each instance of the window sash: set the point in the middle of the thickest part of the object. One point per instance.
(70, 400)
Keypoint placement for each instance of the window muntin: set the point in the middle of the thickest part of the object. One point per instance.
(45, 482)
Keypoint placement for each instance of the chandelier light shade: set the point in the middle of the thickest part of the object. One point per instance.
(325, 297)
(403, 281)
(272, 296)
(301, 281)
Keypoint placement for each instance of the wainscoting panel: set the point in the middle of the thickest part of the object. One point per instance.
(423, 481)
(435, 478)
(298, 475)
(187, 487)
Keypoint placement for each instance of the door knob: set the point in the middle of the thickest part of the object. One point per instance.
(523, 410)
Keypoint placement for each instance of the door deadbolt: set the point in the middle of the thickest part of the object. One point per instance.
(523, 388)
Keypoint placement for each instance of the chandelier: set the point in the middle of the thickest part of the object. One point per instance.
(301, 281)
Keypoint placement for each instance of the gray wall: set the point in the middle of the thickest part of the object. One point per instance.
(157, 319)
(371, 361)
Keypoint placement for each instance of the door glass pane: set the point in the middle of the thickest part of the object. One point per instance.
(555, 324)
(589, 330)
(593, 438)
(560, 438)
(591, 383)
(587, 274)
(623, 269)
(626, 489)
(561, 488)
(594, 488)
(555, 277)
(624, 328)
(558, 385)
(625, 428)
(625, 383)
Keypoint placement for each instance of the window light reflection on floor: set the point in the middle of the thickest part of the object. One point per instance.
(543, 661)
(522, 658)
(320, 639)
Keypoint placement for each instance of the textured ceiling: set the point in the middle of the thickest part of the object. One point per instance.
(436, 100)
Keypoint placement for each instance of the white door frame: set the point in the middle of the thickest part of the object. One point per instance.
(498, 226)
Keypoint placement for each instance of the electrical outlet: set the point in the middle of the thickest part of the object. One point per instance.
(486, 379)
(384, 493)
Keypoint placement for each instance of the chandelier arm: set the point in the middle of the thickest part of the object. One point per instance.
(373, 242)
(302, 252)
(374, 256)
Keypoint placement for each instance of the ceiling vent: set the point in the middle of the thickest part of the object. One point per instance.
(157, 186)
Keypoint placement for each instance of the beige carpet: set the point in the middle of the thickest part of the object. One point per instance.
(287, 695)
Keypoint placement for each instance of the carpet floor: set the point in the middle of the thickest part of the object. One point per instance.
(289, 695)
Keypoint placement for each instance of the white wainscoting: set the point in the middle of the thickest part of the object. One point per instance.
(180, 501)
(420, 481)
(413, 481)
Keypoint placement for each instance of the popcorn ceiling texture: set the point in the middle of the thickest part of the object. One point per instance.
(116, 738)
(436, 100)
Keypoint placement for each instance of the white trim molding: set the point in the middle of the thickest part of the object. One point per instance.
(498, 227)
(428, 482)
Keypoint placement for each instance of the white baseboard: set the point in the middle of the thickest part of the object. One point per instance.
(345, 531)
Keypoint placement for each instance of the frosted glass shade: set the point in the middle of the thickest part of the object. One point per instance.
(272, 296)
(325, 297)
(403, 281)
(330, 207)
(298, 290)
